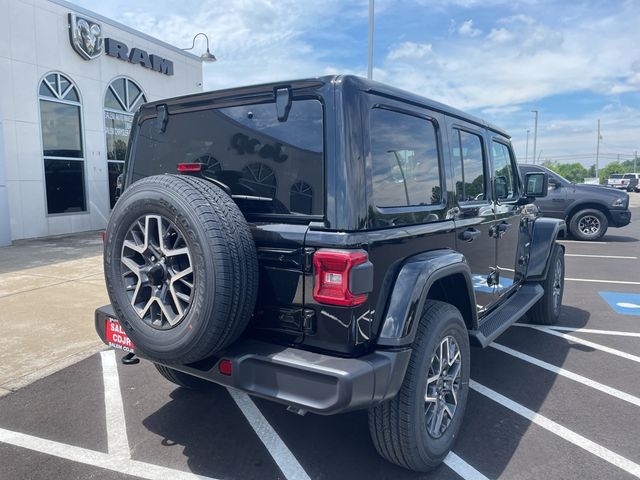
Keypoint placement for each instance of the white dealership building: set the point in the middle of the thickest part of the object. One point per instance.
(70, 81)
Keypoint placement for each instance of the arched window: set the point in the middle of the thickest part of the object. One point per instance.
(301, 198)
(122, 99)
(62, 145)
(260, 180)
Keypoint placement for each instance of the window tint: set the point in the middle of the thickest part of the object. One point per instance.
(62, 146)
(122, 99)
(468, 166)
(506, 186)
(270, 166)
(404, 157)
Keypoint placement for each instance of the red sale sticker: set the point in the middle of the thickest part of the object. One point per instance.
(116, 337)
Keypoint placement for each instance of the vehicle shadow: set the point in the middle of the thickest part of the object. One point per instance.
(220, 441)
(217, 440)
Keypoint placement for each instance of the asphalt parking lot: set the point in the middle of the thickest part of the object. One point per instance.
(560, 402)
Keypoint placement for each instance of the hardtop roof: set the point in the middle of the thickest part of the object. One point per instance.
(361, 83)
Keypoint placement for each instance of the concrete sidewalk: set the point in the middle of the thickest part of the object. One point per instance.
(49, 289)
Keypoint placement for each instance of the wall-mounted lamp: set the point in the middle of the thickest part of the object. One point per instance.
(206, 56)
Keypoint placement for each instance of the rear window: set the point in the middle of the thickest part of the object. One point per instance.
(616, 175)
(630, 175)
(271, 167)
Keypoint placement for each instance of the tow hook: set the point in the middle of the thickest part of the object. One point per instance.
(130, 359)
(296, 410)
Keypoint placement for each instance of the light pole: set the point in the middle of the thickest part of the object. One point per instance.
(535, 135)
(526, 151)
(370, 68)
(598, 151)
(206, 56)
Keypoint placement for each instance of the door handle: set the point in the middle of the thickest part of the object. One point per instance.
(469, 234)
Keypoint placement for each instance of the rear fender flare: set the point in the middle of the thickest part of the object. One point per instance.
(410, 291)
(543, 237)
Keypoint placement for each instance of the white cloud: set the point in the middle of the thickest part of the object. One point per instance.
(409, 51)
(499, 35)
(467, 30)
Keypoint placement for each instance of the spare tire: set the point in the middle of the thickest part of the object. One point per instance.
(181, 268)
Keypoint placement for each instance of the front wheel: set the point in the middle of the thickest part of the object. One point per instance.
(417, 428)
(588, 224)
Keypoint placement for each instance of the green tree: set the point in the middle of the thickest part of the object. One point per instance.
(574, 172)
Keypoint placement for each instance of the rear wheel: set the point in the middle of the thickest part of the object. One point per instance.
(547, 310)
(588, 224)
(417, 428)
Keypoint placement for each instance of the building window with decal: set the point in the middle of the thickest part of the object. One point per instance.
(62, 145)
(122, 99)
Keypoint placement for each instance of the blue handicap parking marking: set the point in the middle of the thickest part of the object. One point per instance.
(623, 303)
(480, 283)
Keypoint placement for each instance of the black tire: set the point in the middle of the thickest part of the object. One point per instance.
(546, 311)
(182, 379)
(588, 224)
(398, 427)
(221, 254)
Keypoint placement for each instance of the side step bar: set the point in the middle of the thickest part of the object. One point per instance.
(510, 312)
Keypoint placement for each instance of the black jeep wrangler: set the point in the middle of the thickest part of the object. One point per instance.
(330, 244)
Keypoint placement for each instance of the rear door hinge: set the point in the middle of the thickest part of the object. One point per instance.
(307, 257)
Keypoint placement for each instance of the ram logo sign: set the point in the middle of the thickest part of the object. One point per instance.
(86, 37)
(87, 40)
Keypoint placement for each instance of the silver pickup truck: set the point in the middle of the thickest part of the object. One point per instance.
(615, 180)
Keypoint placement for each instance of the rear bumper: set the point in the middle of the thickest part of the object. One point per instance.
(620, 218)
(310, 381)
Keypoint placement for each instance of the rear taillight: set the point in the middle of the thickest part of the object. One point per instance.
(189, 167)
(332, 277)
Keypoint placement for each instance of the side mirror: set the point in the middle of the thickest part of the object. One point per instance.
(536, 184)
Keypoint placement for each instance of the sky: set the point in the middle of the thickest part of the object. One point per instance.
(573, 61)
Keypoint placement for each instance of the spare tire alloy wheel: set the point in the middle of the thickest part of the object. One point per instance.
(443, 386)
(158, 272)
(181, 268)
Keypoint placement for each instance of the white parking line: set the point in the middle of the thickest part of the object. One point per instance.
(288, 463)
(597, 331)
(95, 459)
(279, 451)
(596, 346)
(557, 429)
(581, 242)
(592, 280)
(570, 375)
(117, 441)
(462, 468)
(600, 256)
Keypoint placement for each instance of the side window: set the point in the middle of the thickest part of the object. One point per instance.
(468, 166)
(505, 180)
(405, 163)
